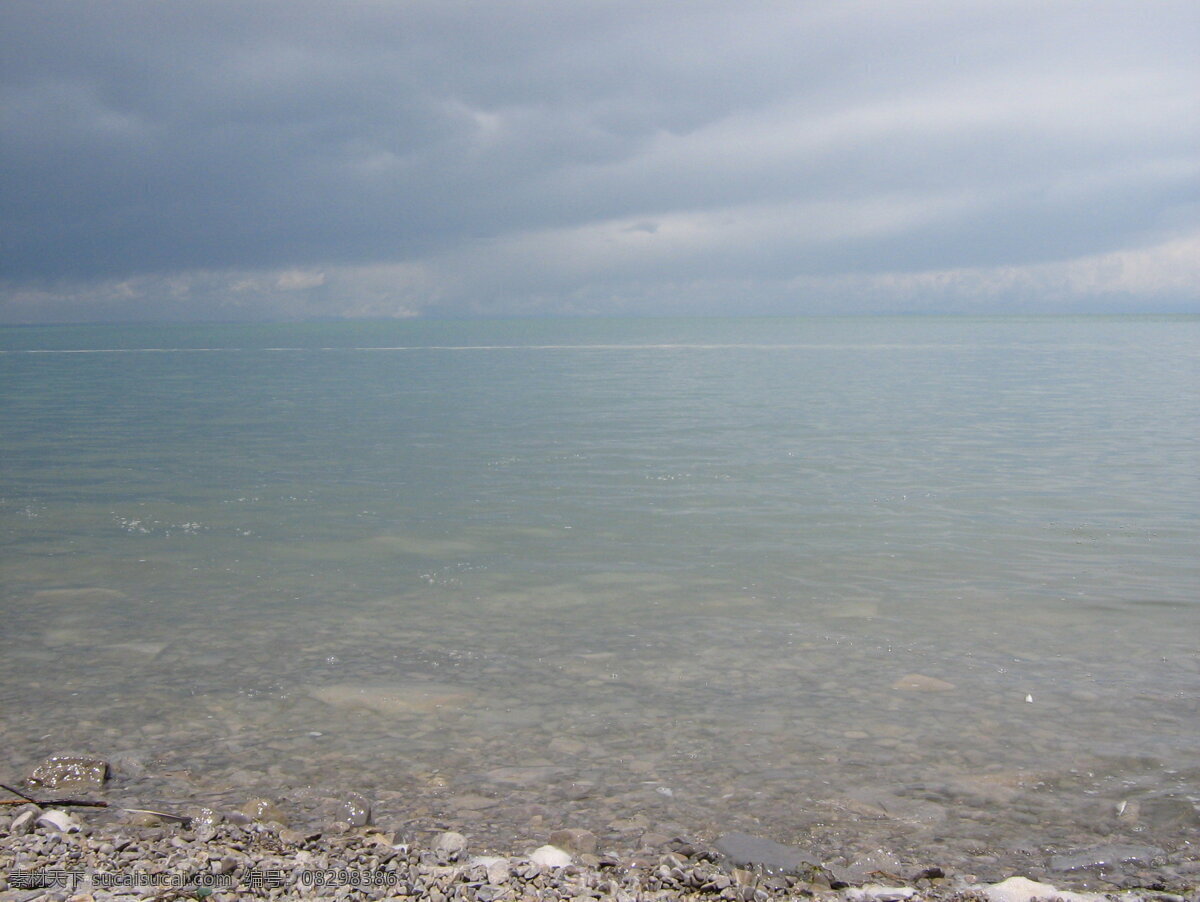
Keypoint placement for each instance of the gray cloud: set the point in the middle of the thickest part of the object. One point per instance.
(207, 158)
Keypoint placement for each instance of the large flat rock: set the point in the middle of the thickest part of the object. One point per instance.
(70, 772)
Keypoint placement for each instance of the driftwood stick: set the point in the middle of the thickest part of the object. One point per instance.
(84, 803)
(16, 792)
(47, 803)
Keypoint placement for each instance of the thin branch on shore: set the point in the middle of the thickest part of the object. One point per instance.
(56, 803)
(48, 803)
(16, 792)
(85, 803)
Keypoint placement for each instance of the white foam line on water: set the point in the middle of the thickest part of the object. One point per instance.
(591, 347)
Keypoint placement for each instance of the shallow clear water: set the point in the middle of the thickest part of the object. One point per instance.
(655, 574)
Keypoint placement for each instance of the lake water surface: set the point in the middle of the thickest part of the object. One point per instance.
(857, 584)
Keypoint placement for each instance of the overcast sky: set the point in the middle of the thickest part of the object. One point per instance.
(204, 159)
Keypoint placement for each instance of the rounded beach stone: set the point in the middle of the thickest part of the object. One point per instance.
(23, 822)
(550, 857)
(62, 821)
(450, 842)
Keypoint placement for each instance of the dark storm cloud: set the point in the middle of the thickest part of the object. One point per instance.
(551, 149)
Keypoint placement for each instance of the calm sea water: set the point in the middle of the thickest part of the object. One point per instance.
(627, 575)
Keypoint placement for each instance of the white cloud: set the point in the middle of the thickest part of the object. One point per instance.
(604, 154)
(298, 280)
(1164, 276)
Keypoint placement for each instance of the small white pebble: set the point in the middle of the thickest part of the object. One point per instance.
(875, 893)
(59, 820)
(550, 857)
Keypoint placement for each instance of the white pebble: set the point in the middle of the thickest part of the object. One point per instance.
(61, 821)
(1022, 889)
(873, 892)
(550, 857)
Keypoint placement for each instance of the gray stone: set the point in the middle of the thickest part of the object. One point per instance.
(747, 850)
(450, 842)
(23, 823)
(498, 872)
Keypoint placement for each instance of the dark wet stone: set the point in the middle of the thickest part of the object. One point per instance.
(747, 850)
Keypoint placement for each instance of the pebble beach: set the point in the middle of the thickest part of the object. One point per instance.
(103, 850)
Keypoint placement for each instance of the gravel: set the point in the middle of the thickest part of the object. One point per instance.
(100, 855)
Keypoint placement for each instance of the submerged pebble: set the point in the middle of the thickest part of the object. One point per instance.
(744, 849)
(354, 809)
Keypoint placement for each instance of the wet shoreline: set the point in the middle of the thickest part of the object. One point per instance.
(63, 857)
(821, 740)
(415, 835)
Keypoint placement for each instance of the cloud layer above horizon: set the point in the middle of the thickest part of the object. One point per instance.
(219, 159)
